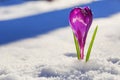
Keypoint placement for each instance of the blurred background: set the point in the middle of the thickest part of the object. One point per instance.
(21, 19)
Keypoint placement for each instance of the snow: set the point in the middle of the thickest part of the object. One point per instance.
(27, 53)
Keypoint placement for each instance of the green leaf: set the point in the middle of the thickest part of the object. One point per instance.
(91, 44)
(77, 46)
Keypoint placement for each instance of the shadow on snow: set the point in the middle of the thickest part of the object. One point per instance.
(14, 2)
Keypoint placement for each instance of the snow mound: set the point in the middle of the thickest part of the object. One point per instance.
(95, 69)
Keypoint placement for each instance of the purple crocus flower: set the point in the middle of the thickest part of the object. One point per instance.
(80, 20)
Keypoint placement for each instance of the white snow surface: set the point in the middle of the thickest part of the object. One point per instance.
(52, 56)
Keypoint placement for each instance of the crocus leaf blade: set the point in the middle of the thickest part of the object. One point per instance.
(77, 46)
(91, 44)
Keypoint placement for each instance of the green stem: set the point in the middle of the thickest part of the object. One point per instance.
(91, 44)
(77, 46)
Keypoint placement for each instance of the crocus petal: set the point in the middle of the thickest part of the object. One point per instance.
(80, 20)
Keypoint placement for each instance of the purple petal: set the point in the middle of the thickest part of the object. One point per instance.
(80, 20)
